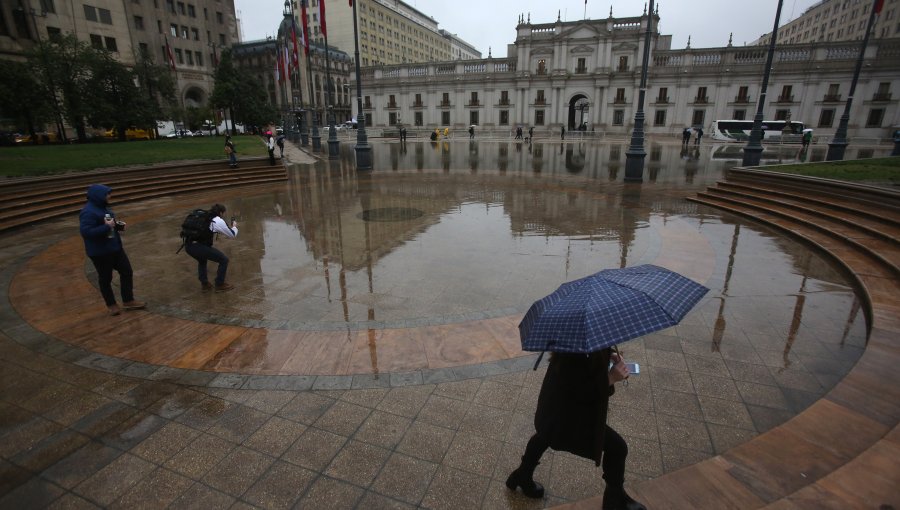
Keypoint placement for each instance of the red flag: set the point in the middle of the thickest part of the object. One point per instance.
(351, 2)
(278, 65)
(295, 55)
(169, 56)
(285, 63)
(322, 18)
(878, 5)
(305, 27)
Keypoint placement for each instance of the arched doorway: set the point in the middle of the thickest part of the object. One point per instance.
(194, 97)
(579, 107)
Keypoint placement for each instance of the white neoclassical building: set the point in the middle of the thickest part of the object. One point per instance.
(587, 72)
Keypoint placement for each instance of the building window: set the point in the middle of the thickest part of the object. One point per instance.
(884, 89)
(181, 9)
(195, 34)
(96, 41)
(222, 39)
(739, 115)
(48, 7)
(504, 117)
(826, 118)
(539, 99)
(663, 96)
(473, 100)
(875, 117)
(54, 33)
(192, 12)
(659, 118)
(105, 16)
(698, 118)
(620, 96)
(173, 30)
(178, 56)
(368, 119)
(392, 101)
(184, 32)
(392, 118)
(504, 97)
(782, 114)
(170, 6)
(219, 18)
(473, 117)
(143, 49)
(743, 95)
(90, 13)
(445, 118)
(539, 117)
(138, 23)
(623, 64)
(189, 57)
(418, 119)
(111, 44)
(618, 117)
(786, 95)
(581, 67)
(542, 66)
(701, 95)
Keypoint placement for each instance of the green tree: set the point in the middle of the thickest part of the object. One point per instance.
(225, 89)
(115, 99)
(241, 94)
(22, 98)
(67, 66)
(157, 84)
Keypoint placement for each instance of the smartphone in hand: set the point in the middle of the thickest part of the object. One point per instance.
(633, 368)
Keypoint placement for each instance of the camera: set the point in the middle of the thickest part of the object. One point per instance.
(120, 226)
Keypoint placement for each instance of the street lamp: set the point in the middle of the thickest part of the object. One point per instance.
(634, 156)
(582, 105)
(363, 149)
(754, 148)
(839, 143)
(333, 143)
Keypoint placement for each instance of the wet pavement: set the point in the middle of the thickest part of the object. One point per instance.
(368, 357)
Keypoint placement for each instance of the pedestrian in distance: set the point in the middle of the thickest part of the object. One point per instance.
(270, 145)
(571, 416)
(471, 132)
(279, 141)
(103, 244)
(807, 138)
(531, 133)
(686, 136)
(199, 245)
(562, 133)
(699, 131)
(518, 133)
(231, 152)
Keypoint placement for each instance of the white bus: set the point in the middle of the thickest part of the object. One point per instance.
(739, 130)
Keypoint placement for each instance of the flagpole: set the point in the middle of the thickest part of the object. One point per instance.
(316, 139)
(333, 143)
(300, 117)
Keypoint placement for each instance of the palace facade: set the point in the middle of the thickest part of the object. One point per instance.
(587, 73)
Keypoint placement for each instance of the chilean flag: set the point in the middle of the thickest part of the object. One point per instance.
(169, 56)
(295, 55)
(879, 4)
(277, 65)
(322, 17)
(305, 27)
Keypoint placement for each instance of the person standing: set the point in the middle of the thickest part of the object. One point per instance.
(202, 250)
(562, 133)
(231, 152)
(686, 136)
(103, 245)
(531, 133)
(571, 416)
(270, 145)
(518, 133)
(471, 132)
(807, 138)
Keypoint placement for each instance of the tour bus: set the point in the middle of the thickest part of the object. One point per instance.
(739, 130)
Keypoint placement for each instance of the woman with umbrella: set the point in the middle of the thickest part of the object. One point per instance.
(581, 323)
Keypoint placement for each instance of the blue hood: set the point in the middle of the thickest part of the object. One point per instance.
(97, 193)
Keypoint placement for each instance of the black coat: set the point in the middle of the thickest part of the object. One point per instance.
(572, 406)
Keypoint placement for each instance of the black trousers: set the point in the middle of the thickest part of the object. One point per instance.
(202, 253)
(615, 450)
(105, 265)
(271, 156)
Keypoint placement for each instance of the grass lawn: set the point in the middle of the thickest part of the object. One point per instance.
(53, 159)
(880, 170)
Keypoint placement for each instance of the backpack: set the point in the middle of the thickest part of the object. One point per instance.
(195, 228)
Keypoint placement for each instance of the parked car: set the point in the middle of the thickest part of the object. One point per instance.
(131, 133)
(42, 138)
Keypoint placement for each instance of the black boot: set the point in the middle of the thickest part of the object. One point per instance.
(615, 498)
(523, 477)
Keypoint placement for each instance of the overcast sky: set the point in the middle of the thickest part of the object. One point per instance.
(491, 23)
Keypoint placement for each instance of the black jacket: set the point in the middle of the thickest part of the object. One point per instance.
(572, 406)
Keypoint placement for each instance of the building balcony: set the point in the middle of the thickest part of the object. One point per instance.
(580, 70)
(367, 105)
(831, 98)
(620, 100)
(541, 72)
(881, 96)
(622, 69)
(474, 102)
(662, 100)
(445, 104)
(504, 102)
(701, 100)
(392, 104)
(418, 104)
(785, 99)
(742, 99)
(540, 101)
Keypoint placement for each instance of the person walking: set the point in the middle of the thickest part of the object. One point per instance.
(202, 250)
(571, 416)
(270, 145)
(518, 133)
(103, 245)
(231, 152)
(699, 131)
(531, 133)
(562, 133)
(279, 141)
(807, 138)
(471, 132)
(686, 136)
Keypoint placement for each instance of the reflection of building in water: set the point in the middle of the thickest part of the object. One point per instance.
(553, 70)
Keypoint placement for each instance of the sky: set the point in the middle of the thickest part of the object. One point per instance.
(491, 23)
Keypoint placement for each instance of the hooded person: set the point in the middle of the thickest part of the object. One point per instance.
(103, 245)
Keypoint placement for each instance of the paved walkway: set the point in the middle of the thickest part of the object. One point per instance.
(158, 408)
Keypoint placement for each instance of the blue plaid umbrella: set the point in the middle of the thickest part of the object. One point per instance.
(608, 308)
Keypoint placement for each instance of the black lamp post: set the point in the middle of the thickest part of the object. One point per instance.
(753, 150)
(363, 149)
(634, 156)
(838, 144)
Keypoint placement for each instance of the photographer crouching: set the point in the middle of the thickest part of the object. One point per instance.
(200, 247)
